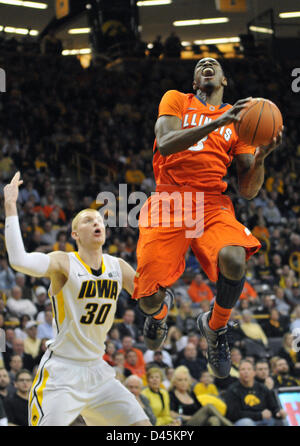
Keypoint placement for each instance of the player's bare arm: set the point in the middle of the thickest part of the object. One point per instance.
(250, 169)
(171, 139)
(54, 265)
(128, 274)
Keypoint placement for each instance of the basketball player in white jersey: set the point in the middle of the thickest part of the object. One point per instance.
(72, 377)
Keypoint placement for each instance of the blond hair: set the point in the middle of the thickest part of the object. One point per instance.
(182, 369)
(76, 219)
(273, 361)
(284, 340)
(154, 370)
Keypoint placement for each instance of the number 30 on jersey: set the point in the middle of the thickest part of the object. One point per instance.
(92, 315)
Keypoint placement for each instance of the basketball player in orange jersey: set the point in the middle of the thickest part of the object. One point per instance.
(195, 143)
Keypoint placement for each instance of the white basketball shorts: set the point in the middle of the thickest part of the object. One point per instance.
(63, 389)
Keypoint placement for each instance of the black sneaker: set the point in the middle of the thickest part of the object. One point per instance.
(155, 331)
(218, 353)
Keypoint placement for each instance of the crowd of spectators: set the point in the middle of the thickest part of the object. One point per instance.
(50, 44)
(56, 113)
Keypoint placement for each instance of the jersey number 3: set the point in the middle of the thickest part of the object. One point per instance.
(199, 146)
(93, 316)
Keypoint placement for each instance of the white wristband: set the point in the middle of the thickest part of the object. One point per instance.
(35, 263)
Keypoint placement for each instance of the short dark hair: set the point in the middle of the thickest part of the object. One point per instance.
(60, 233)
(262, 361)
(210, 58)
(236, 349)
(127, 336)
(130, 351)
(157, 352)
(246, 360)
(20, 372)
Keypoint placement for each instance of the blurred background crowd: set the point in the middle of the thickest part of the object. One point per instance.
(75, 132)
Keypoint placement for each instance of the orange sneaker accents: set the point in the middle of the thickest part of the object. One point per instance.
(219, 318)
(163, 313)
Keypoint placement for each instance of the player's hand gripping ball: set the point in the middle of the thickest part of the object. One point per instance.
(260, 121)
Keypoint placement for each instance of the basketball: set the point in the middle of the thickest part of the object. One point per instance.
(260, 122)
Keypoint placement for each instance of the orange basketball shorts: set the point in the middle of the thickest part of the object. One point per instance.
(161, 248)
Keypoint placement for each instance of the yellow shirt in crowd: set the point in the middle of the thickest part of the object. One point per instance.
(32, 346)
(254, 331)
(160, 405)
(201, 388)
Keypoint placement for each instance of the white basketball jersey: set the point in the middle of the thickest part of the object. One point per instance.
(84, 309)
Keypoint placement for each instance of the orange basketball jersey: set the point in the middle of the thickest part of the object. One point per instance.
(203, 165)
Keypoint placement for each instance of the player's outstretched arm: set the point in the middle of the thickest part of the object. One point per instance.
(128, 274)
(34, 264)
